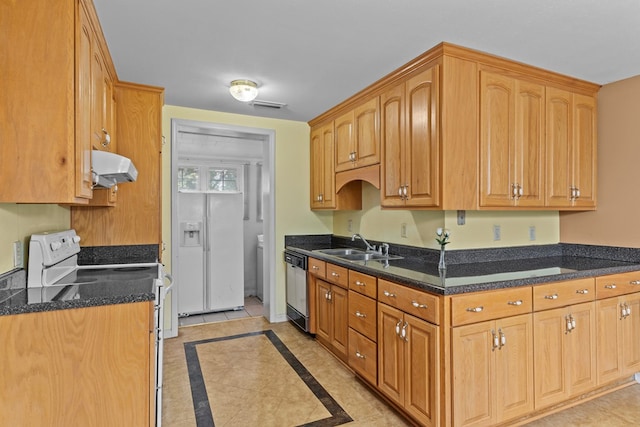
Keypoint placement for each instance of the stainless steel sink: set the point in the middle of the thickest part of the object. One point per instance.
(339, 252)
(354, 255)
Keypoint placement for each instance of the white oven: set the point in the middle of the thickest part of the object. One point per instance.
(54, 275)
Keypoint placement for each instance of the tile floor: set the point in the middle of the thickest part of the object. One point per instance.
(247, 379)
(252, 308)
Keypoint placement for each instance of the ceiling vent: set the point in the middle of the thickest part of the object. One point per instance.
(268, 104)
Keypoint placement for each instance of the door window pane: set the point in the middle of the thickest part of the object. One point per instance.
(223, 179)
(188, 178)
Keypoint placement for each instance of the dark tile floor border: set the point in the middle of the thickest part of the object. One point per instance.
(204, 415)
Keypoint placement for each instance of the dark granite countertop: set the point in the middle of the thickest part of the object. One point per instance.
(479, 269)
(16, 298)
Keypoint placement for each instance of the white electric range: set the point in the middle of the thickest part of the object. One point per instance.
(54, 275)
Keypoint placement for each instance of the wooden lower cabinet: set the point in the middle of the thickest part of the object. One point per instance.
(492, 371)
(408, 363)
(565, 353)
(332, 327)
(618, 345)
(78, 367)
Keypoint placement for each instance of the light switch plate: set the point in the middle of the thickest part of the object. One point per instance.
(18, 257)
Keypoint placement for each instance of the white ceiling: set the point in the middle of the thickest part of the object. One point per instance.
(313, 54)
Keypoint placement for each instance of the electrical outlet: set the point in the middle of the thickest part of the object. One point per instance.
(496, 233)
(350, 225)
(403, 230)
(532, 233)
(462, 217)
(18, 258)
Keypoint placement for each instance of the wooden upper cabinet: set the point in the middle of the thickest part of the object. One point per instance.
(511, 141)
(571, 149)
(322, 168)
(410, 142)
(357, 140)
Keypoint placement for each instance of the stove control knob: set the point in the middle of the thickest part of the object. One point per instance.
(76, 239)
(55, 246)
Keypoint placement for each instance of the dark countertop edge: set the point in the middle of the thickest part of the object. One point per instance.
(460, 289)
(84, 303)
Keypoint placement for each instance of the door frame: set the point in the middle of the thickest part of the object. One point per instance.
(268, 209)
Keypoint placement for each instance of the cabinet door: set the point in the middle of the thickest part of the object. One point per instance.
(497, 139)
(630, 342)
(559, 151)
(367, 133)
(473, 367)
(422, 370)
(344, 142)
(581, 349)
(392, 146)
(84, 180)
(322, 168)
(609, 340)
(584, 150)
(422, 142)
(549, 360)
(98, 97)
(390, 354)
(340, 324)
(323, 311)
(511, 141)
(514, 367)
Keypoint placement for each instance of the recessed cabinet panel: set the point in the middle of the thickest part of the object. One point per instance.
(392, 144)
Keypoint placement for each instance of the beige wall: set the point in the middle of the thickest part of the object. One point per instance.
(385, 225)
(19, 222)
(616, 222)
(292, 184)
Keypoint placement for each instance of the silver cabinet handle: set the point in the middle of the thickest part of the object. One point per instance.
(388, 294)
(582, 291)
(503, 339)
(360, 355)
(554, 296)
(315, 267)
(418, 305)
(495, 341)
(359, 283)
(360, 315)
(328, 295)
(334, 274)
(518, 302)
(400, 191)
(107, 138)
(398, 327)
(634, 282)
(404, 332)
(610, 286)
(475, 309)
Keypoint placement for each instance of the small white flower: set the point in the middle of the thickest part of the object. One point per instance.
(439, 231)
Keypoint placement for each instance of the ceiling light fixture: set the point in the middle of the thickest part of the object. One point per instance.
(244, 90)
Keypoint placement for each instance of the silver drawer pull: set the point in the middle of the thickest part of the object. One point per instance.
(359, 283)
(634, 282)
(475, 309)
(610, 286)
(388, 294)
(334, 274)
(315, 267)
(418, 305)
(582, 291)
(360, 355)
(519, 302)
(554, 296)
(361, 315)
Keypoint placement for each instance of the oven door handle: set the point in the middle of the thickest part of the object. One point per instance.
(167, 289)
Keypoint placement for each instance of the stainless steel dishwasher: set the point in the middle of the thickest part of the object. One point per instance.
(296, 285)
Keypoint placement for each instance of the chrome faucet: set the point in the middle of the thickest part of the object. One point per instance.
(369, 247)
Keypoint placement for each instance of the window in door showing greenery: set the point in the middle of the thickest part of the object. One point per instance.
(223, 179)
(188, 178)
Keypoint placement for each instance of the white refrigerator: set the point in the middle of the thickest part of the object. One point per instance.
(210, 252)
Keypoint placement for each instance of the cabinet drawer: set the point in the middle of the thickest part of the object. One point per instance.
(317, 267)
(362, 314)
(560, 294)
(481, 306)
(363, 283)
(363, 355)
(412, 301)
(338, 275)
(617, 284)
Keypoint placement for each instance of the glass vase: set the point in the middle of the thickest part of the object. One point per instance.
(441, 263)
